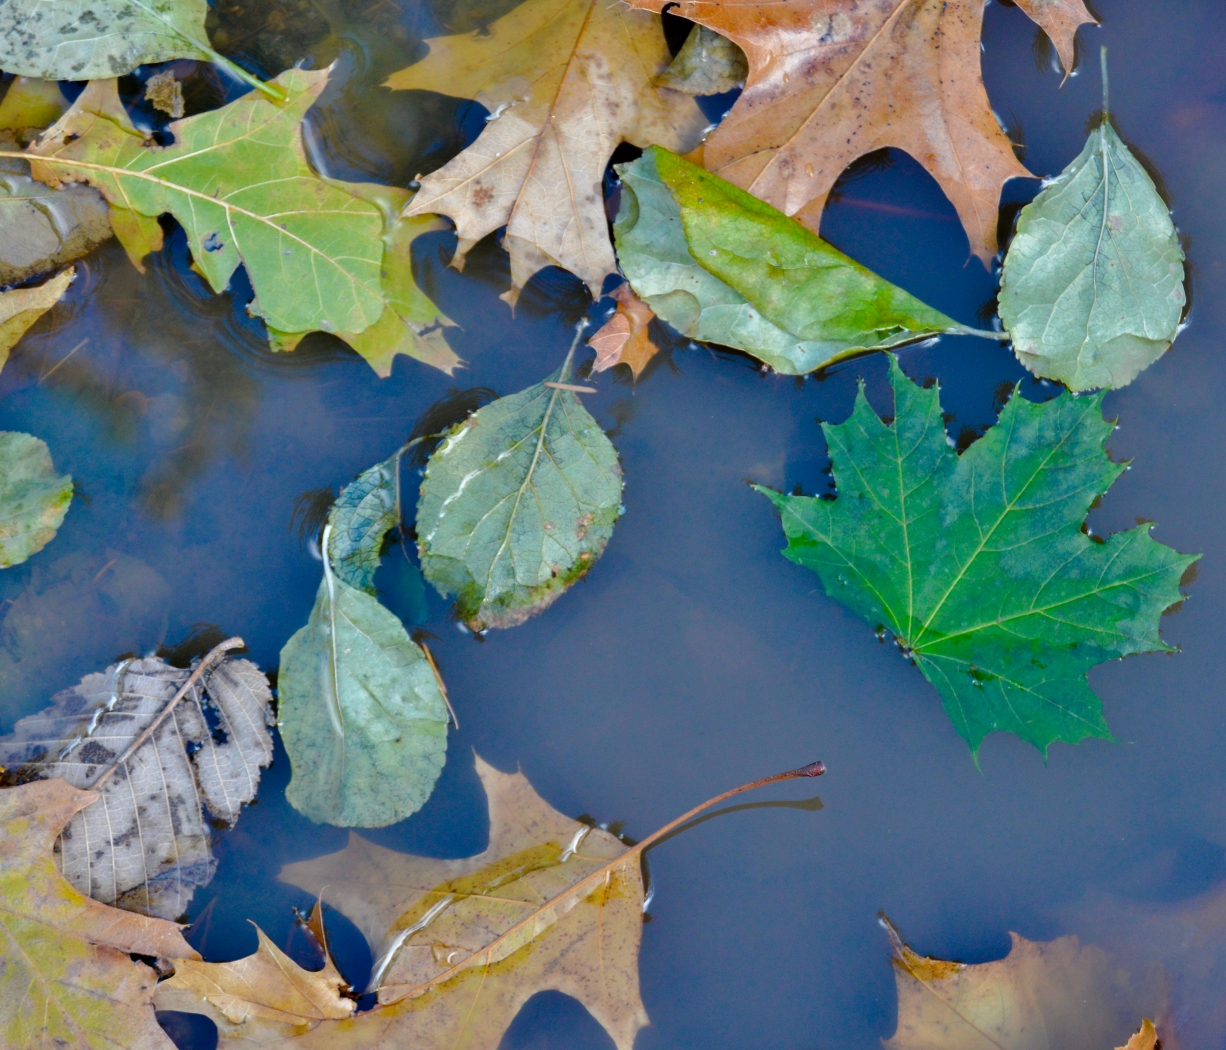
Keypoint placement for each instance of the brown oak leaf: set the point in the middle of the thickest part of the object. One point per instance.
(624, 338)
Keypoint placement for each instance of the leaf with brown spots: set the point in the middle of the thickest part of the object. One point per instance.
(565, 81)
(624, 339)
(833, 80)
(66, 979)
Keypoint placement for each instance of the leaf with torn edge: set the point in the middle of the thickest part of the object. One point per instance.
(137, 735)
(238, 180)
(21, 307)
(363, 715)
(1042, 995)
(721, 266)
(461, 945)
(625, 339)
(831, 81)
(977, 563)
(565, 82)
(707, 64)
(65, 976)
(33, 498)
(517, 504)
(1144, 1038)
(1092, 285)
(267, 990)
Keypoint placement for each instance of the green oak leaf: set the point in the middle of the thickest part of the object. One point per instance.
(1092, 285)
(977, 563)
(362, 713)
(33, 498)
(322, 255)
(518, 502)
(722, 266)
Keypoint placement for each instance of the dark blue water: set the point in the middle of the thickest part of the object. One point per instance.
(694, 657)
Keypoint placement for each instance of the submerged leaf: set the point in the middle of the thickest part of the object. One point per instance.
(1092, 286)
(21, 307)
(978, 563)
(362, 713)
(33, 499)
(65, 976)
(517, 504)
(144, 845)
(719, 265)
(707, 64)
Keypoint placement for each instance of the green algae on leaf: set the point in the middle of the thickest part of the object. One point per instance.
(722, 266)
(362, 714)
(33, 498)
(517, 504)
(1092, 286)
(978, 563)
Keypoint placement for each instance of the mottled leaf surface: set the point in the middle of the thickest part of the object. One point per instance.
(144, 845)
(66, 979)
(1092, 287)
(978, 564)
(721, 266)
(361, 517)
(33, 498)
(518, 502)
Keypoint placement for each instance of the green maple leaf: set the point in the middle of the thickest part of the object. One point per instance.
(977, 563)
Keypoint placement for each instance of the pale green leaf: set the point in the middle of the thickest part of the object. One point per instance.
(33, 498)
(722, 266)
(1092, 287)
(361, 516)
(518, 502)
(978, 564)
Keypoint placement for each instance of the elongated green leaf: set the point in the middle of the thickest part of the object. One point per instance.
(322, 255)
(722, 266)
(518, 503)
(1092, 288)
(363, 716)
(977, 563)
(87, 39)
(33, 498)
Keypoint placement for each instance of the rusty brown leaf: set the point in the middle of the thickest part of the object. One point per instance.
(832, 80)
(624, 339)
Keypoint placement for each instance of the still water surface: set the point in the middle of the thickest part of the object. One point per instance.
(694, 657)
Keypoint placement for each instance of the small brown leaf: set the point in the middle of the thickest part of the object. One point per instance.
(166, 93)
(1144, 1038)
(624, 339)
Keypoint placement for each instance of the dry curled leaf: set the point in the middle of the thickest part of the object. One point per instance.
(832, 80)
(65, 976)
(624, 339)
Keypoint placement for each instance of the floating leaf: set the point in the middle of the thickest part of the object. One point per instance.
(518, 503)
(21, 307)
(362, 712)
(707, 64)
(565, 81)
(1092, 286)
(138, 736)
(721, 266)
(978, 563)
(238, 180)
(33, 499)
(1042, 995)
(65, 976)
(625, 338)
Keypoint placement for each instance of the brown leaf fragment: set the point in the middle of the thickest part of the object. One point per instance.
(625, 339)
(1041, 996)
(65, 976)
(832, 80)
(565, 81)
(166, 93)
(1144, 1038)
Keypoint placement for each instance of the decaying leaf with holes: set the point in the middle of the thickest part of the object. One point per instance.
(138, 734)
(66, 978)
(517, 504)
(322, 255)
(565, 81)
(830, 81)
(33, 498)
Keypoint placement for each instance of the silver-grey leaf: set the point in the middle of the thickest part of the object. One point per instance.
(361, 516)
(144, 845)
(1092, 287)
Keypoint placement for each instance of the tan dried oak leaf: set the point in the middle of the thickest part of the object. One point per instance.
(66, 980)
(565, 82)
(625, 338)
(832, 80)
